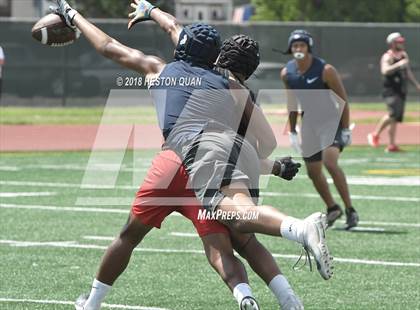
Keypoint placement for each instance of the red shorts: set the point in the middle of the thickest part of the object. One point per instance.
(165, 190)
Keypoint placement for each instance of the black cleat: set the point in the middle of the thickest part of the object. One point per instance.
(352, 218)
(333, 213)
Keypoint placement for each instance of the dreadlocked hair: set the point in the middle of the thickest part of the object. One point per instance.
(240, 54)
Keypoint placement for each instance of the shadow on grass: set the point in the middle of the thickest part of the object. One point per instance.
(370, 230)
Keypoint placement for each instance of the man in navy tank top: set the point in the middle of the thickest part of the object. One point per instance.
(309, 74)
(396, 72)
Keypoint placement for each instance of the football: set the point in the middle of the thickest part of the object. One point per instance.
(52, 30)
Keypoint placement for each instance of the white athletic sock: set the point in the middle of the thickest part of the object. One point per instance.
(292, 229)
(280, 288)
(241, 291)
(97, 295)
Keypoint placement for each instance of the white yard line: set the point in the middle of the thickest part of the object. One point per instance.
(76, 167)
(102, 238)
(9, 168)
(63, 302)
(354, 180)
(66, 185)
(195, 235)
(104, 201)
(375, 180)
(397, 224)
(356, 197)
(180, 234)
(73, 244)
(126, 201)
(126, 211)
(72, 209)
(382, 181)
(376, 160)
(370, 229)
(26, 194)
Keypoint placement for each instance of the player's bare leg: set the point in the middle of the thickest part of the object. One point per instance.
(118, 254)
(319, 180)
(219, 252)
(392, 131)
(114, 262)
(310, 232)
(373, 138)
(383, 123)
(263, 264)
(330, 159)
(392, 146)
(238, 200)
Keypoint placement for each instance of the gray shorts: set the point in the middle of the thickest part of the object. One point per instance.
(317, 137)
(338, 143)
(217, 159)
(396, 106)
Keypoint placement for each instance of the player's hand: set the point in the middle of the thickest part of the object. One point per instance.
(66, 11)
(346, 136)
(286, 168)
(294, 142)
(142, 9)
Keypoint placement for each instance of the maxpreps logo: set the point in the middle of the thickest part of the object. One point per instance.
(220, 215)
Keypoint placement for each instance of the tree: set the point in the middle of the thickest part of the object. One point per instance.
(116, 8)
(339, 10)
(277, 10)
(412, 11)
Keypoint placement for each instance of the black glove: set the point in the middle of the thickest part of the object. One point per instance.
(286, 168)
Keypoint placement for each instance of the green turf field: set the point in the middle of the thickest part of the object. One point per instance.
(51, 254)
(144, 114)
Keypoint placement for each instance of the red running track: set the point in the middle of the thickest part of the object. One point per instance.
(112, 137)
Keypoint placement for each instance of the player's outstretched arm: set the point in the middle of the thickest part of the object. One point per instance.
(109, 47)
(143, 10)
(128, 57)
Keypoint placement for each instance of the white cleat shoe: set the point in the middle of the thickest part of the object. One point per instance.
(292, 302)
(249, 303)
(314, 243)
(81, 301)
